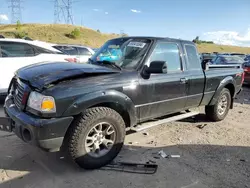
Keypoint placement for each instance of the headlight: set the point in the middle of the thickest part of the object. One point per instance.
(41, 102)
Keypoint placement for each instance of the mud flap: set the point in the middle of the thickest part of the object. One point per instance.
(5, 124)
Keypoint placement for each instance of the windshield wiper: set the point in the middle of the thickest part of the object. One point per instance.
(105, 62)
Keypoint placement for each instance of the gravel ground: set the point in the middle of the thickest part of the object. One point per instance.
(211, 155)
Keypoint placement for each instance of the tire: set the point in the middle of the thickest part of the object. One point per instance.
(83, 126)
(214, 112)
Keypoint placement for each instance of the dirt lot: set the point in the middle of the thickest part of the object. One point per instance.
(217, 155)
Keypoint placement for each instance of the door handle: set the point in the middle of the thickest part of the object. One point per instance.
(183, 80)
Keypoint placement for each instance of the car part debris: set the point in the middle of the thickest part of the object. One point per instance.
(175, 156)
(130, 143)
(151, 142)
(151, 161)
(137, 168)
(162, 154)
(156, 157)
(201, 126)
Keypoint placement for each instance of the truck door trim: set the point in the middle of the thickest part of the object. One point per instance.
(146, 104)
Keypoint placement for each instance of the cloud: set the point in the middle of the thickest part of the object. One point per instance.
(228, 37)
(4, 17)
(135, 11)
(95, 9)
(106, 13)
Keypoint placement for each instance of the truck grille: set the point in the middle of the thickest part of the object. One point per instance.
(19, 93)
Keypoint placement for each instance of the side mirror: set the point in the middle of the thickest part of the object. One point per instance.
(155, 67)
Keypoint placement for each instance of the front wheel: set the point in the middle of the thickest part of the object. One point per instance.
(96, 137)
(220, 110)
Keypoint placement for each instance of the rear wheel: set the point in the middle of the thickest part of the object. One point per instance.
(220, 110)
(96, 137)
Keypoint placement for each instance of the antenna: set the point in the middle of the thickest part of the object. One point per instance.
(63, 9)
(16, 13)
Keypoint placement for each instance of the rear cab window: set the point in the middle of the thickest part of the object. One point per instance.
(192, 57)
(168, 52)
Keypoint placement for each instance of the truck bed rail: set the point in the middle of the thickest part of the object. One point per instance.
(226, 66)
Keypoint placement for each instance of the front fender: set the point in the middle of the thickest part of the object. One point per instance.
(227, 80)
(100, 97)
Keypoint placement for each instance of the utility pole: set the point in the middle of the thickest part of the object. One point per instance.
(63, 10)
(16, 14)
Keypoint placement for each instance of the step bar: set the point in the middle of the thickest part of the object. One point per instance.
(148, 125)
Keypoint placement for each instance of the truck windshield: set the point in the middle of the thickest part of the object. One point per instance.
(124, 52)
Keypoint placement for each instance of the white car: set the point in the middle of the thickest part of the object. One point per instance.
(83, 53)
(17, 53)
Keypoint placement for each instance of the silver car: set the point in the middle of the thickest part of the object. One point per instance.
(83, 53)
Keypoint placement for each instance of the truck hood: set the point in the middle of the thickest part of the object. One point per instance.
(43, 74)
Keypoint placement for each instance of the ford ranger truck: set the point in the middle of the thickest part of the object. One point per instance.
(87, 108)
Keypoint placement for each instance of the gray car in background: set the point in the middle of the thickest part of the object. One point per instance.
(227, 59)
(83, 53)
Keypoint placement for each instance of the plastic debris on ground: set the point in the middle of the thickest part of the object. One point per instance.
(201, 126)
(175, 156)
(162, 154)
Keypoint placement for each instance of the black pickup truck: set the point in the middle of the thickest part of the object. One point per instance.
(87, 108)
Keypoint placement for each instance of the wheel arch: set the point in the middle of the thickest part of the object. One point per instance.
(228, 83)
(112, 99)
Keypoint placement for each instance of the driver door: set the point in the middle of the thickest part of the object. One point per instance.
(164, 93)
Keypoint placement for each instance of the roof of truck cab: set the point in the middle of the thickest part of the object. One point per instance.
(156, 38)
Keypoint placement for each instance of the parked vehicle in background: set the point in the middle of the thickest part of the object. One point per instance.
(207, 57)
(243, 56)
(247, 73)
(17, 53)
(87, 107)
(227, 59)
(95, 49)
(247, 69)
(83, 53)
(247, 58)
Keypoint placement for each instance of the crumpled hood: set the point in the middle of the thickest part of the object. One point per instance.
(42, 74)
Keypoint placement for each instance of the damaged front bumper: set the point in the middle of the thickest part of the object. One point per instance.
(47, 134)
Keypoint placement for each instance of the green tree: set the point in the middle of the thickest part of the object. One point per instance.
(18, 26)
(19, 33)
(197, 40)
(75, 33)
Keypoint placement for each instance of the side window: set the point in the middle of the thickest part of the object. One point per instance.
(40, 50)
(69, 50)
(217, 61)
(84, 51)
(16, 49)
(169, 52)
(194, 62)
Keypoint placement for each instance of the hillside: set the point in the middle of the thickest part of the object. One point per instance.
(57, 33)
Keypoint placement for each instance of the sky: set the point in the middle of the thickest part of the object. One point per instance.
(222, 21)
